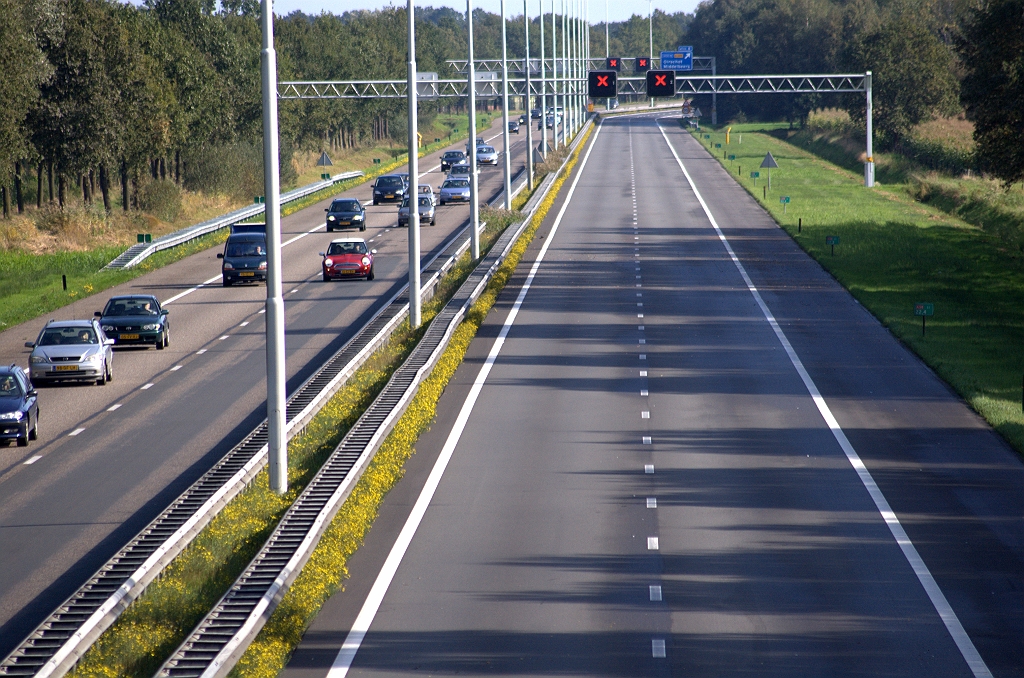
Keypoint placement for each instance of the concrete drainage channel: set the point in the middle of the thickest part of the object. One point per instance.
(58, 643)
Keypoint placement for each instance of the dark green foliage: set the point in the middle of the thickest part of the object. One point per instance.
(161, 199)
(992, 48)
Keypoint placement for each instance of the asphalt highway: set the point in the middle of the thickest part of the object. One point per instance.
(110, 458)
(685, 450)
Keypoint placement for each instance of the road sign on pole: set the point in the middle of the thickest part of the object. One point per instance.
(661, 83)
(680, 60)
(601, 84)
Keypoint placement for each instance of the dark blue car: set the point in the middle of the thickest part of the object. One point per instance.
(19, 406)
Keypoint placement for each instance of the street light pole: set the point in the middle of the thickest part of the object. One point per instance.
(412, 193)
(277, 446)
(869, 167)
(543, 89)
(606, 52)
(554, 81)
(474, 199)
(507, 155)
(565, 73)
(529, 131)
(650, 27)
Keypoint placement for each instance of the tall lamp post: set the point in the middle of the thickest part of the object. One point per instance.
(504, 110)
(554, 81)
(277, 446)
(412, 193)
(529, 131)
(474, 199)
(543, 89)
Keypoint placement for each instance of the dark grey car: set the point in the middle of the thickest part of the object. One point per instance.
(346, 213)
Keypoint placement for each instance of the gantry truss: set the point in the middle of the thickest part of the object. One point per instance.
(685, 85)
(516, 65)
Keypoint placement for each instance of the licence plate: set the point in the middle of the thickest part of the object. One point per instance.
(348, 272)
(247, 274)
(389, 196)
(65, 368)
(344, 223)
(127, 336)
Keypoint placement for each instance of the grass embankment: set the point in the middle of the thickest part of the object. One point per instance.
(154, 625)
(895, 252)
(31, 284)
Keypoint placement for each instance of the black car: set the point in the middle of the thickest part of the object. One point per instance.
(244, 255)
(388, 188)
(135, 319)
(346, 212)
(535, 113)
(19, 406)
(513, 126)
(451, 158)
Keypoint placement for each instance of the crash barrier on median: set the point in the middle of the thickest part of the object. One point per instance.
(135, 254)
(222, 636)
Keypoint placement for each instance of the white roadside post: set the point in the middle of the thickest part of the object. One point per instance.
(543, 90)
(565, 74)
(277, 446)
(412, 193)
(869, 166)
(474, 200)
(528, 103)
(507, 155)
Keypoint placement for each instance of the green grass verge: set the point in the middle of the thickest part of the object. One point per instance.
(32, 284)
(895, 252)
(153, 627)
(326, 570)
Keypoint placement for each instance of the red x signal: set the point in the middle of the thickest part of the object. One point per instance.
(601, 84)
(602, 81)
(613, 63)
(661, 80)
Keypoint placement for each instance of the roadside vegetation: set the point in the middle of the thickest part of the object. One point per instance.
(896, 251)
(159, 621)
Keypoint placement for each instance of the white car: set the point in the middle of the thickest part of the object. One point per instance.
(71, 350)
(486, 155)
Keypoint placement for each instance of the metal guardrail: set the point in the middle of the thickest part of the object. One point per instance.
(60, 640)
(135, 254)
(223, 635)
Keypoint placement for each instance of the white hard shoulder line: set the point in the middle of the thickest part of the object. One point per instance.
(361, 626)
(924, 575)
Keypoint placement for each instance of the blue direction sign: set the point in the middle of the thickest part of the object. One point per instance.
(679, 60)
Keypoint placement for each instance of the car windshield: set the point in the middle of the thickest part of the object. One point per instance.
(425, 188)
(485, 149)
(67, 336)
(424, 202)
(453, 155)
(389, 182)
(456, 183)
(347, 248)
(116, 307)
(460, 169)
(245, 249)
(345, 206)
(9, 386)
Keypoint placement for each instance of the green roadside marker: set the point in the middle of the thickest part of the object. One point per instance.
(259, 200)
(832, 241)
(437, 141)
(718, 145)
(144, 237)
(732, 157)
(754, 176)
(785, 203)
(707, 136)
(924, 310)
(376, 161)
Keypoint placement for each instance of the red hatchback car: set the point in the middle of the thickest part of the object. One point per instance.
(348, 258)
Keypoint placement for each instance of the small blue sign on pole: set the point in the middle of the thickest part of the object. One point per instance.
(679, 60)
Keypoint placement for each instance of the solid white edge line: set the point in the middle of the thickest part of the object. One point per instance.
(924, 575)
(361, 625)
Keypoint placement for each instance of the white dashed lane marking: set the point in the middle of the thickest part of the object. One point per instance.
(75, 432)
(652, 502)
(32, 460)
(648, 468)
(176, 368)
(655, 593)
(115, 406)
(244, 324)
(647, 440)
(201, 351)
(643, 392)
(224, 337)
(645, 415)
(658, 648)
(652, 543)
(146, 387)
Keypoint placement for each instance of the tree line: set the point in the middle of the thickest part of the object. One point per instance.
(98, 97)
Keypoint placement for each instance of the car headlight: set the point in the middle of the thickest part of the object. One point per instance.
(37, 359)
(263, 266)
(357, 217)
(366, 261)
(330, 218)
(94, 358)
(228, 266)
(151, 326)
(328, 262)
(107, 328)
(12, 416)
